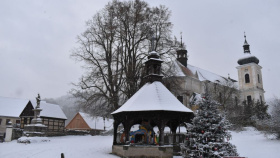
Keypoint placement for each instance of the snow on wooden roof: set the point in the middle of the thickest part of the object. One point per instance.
(153, 97)
(49, 110)
(97, 122)
(11, 107)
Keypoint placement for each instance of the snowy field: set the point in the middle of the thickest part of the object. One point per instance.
(253, 144)
(250, 143)
(71, 146)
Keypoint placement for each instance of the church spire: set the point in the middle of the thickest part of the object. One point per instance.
(181, 41)
(248, 57)
(246, 46)
(182, 56)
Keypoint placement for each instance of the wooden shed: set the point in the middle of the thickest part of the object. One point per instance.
(95, 125)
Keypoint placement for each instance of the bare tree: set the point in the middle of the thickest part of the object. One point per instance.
(114, 47)
(226, 93)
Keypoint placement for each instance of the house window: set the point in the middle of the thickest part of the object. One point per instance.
(259, 80)
(247, 78)
(25, 121)
(0, 121)
(249, 99)
(180, 98)
(7, 121)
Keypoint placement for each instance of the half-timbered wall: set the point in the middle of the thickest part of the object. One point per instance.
(54, 125)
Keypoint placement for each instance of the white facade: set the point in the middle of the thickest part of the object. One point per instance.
(253, 86)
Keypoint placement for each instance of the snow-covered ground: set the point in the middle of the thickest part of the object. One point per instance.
(253, 144)
(71, 146)
(250, 143)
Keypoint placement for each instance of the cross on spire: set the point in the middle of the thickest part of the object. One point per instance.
(246, 46)
(152, 39)
(181, 40)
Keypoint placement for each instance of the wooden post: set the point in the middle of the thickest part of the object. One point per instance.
(115, 132)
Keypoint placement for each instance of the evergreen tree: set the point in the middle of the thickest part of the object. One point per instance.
(260, 110)
(206, 137)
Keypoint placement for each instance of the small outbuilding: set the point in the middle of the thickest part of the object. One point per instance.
(84, 121)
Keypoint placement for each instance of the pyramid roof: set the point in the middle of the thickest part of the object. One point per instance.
(153, 97)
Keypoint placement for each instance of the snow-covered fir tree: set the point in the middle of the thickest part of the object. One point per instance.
(208, 136)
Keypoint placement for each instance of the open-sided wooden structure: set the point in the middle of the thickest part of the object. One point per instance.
(153, 104)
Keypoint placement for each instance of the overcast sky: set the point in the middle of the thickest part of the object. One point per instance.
(36, 38)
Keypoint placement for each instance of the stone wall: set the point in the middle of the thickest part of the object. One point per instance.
(143, 151)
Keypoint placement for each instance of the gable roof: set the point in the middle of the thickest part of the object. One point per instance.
(49, 110)
(97, 122)
(11, 107)
(198, 73)
(153, 97)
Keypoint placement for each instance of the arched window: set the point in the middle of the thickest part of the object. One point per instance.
(259, 80)
(247, 78)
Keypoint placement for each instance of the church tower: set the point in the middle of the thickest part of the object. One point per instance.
(182, 55)
(250, 76)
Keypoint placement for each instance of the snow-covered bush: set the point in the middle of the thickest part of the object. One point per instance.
(272, 125)
(29, 140)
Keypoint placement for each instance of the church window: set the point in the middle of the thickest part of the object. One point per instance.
(261, 99)
(247, 78)
(249, 99)
(180, 98)
(259, 80)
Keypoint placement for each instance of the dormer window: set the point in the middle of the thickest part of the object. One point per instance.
(247, 78)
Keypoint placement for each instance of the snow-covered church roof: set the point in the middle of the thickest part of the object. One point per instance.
(153, 97)
(202, 75)
(11, 107)
(97, 122)
(50, 110)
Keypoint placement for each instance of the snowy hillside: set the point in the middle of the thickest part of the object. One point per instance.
(250, 143)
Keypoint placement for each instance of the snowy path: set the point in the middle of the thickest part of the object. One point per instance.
(253, 144)
(250, 143)
(71, 146)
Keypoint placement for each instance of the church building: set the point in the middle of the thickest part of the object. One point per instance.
(188, 82)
